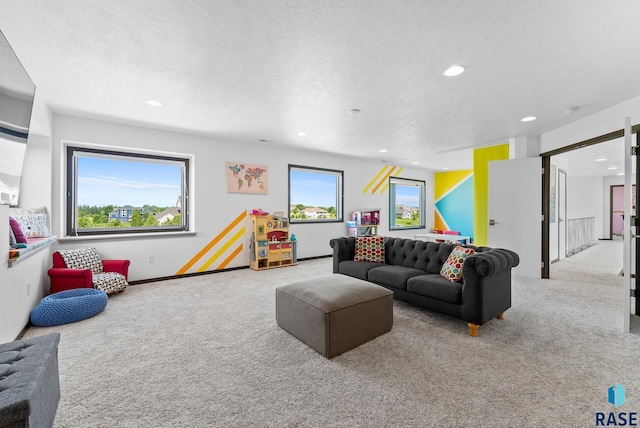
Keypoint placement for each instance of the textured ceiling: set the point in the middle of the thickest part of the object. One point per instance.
(246, 70)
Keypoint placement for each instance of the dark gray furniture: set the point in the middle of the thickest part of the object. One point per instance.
(29, 382)
(334, 313)
(412, 271)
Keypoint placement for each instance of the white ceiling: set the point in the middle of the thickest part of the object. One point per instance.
(247, 70)
(603, 159)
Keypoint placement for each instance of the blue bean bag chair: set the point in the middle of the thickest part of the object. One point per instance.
(68, 306)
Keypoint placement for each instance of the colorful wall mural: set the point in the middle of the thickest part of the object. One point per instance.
(380, 181)
(218, 247)
(453, 197)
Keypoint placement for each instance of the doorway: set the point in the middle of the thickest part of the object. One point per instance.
(616, 217)
(613, 212)
(616, 195)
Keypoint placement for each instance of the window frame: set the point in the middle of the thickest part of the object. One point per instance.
(73, 150)
(339, 194)
(422, 193)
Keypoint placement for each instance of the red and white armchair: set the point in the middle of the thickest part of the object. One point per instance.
(83, 268)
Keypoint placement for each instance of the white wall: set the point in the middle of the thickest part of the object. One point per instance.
(585, 199)
(41, 117)
(214, 207)
(594, 125)
(34, 190)
(21, 286)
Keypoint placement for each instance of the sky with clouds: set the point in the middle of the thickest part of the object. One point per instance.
(120, 182)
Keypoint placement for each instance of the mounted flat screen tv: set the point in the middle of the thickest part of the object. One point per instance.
(16, 103)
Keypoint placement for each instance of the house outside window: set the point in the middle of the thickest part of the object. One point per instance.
(406, 203)
(315, 195)
(124, 213)
(120, 192)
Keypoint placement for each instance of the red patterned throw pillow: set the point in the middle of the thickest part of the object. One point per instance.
(369, 249)
(452, 268)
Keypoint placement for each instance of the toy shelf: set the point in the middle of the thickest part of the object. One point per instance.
(271, 247)
(364, 222)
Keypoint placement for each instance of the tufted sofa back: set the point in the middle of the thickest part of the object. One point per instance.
(426, 256)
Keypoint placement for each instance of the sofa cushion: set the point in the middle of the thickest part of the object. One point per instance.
(426, 256)
(393, 276)
(369, 249)
(452, 268)
(435, 286)
(356, 269)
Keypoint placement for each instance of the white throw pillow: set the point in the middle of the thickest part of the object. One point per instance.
(33, 225)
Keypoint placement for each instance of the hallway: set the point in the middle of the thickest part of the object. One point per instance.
(602, 262)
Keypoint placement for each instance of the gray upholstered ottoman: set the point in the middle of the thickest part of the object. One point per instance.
(334, 313)
(29, 383)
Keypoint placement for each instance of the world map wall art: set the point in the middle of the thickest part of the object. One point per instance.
(245, 178)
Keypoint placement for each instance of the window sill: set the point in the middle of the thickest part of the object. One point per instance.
(33, 246)
(126, 236)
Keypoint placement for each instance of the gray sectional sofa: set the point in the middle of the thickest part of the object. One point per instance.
(412, 271)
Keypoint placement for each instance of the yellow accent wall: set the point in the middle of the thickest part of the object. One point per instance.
(481, 159)
(445, 181)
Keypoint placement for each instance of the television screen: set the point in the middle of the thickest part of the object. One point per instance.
(16, 103)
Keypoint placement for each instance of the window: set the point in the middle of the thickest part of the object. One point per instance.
(315, 195)
(406, 204)
(115, 192)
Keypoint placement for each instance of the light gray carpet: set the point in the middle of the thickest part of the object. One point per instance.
(206, 351)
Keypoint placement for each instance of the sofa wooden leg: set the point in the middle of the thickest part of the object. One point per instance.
(473, 329)
(500, 316)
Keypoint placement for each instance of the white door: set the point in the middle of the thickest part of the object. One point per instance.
(627, 265)
(562, 214)
(515, 211)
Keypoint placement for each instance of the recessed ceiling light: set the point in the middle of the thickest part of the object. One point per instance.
(445, 167)
(612, 168)
(528, 118)
(454, 70)
(415, 162)
(620, 173)
(301, 134)
(601, 159)
(354, 111)
(154, 103)
(383, 150)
